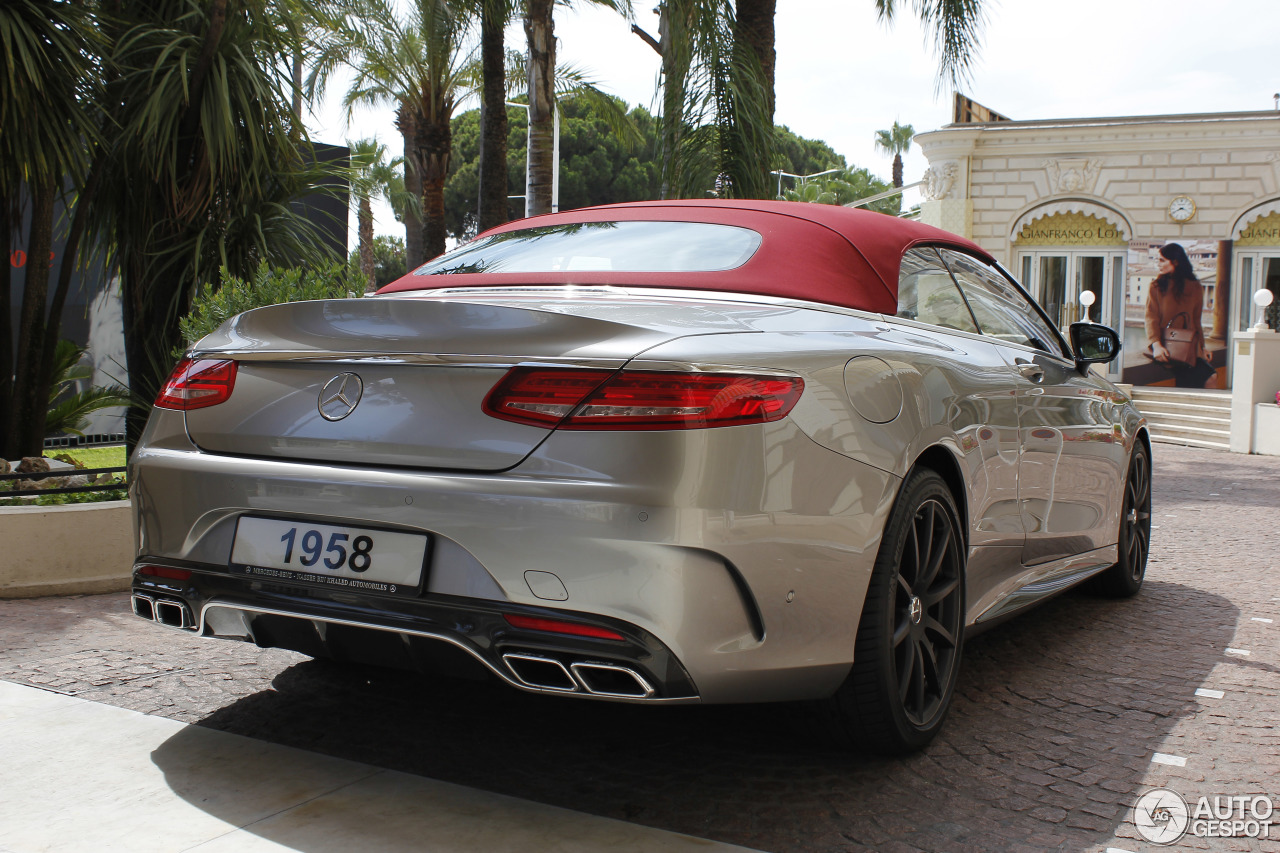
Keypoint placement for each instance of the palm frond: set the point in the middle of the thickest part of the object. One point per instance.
(955, 29)
(47, 83)
(720, 137)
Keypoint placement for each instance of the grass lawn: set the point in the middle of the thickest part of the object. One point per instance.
(111, 456)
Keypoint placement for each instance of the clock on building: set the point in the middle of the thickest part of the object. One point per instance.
(1181, 209)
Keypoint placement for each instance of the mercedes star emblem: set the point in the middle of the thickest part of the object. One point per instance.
(340, 396)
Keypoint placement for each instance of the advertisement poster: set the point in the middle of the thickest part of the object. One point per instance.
(1175, 313)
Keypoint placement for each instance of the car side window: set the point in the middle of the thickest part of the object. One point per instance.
(1001, 310)
(928, 294)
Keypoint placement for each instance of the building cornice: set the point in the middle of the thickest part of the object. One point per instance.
(1180, 119)
(1259, 130)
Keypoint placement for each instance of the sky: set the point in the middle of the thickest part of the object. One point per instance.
(842, 75)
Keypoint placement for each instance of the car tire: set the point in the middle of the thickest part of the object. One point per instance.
(911, 631)
(1124, 579)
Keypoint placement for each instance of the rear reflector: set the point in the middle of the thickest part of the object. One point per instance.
(196, 384)
(555, 626)
(640, 399)
(163, 572)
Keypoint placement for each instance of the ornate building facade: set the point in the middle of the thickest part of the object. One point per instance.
(1085, 205)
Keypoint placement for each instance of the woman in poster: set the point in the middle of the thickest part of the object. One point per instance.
(1174, 333)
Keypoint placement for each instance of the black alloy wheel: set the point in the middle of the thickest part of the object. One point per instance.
(927, 613)
(1124, 579)
(911, 632)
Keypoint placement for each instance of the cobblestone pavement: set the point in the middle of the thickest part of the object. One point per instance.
(1058, 718)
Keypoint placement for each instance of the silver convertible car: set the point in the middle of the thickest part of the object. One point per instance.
(667, 452)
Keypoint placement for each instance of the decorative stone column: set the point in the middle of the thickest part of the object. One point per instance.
(946, 202)
(944, 205)
(1255, 378)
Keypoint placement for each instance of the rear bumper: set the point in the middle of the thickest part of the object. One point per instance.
(738, 557)
(438, 636)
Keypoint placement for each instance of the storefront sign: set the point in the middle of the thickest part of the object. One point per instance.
(1262, 232)
(1070, 229)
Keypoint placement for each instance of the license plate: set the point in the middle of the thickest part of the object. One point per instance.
(358, 559)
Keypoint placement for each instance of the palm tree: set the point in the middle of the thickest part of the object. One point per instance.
(954, 25)
(47, 80)
(717, 127)
(423, 65)
(494, 15)
(539, 30)
(372, 177)
(202, 160)
(895, 141)
(754, 30)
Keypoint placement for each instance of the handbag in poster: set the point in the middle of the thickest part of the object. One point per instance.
(1180, 341)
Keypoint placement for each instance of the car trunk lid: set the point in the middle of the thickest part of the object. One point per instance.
(401, 382)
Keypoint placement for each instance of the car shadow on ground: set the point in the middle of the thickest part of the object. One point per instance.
(1057, 715)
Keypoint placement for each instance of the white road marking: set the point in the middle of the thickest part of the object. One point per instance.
(1244, 653)
(1260, 619)
(1210, 694)
(1173, 760)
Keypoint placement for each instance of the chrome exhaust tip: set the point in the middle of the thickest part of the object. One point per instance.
(541, 673)
(174, 614)
(144, 606)
(612, 681)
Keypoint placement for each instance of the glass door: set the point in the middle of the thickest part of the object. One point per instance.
(1051, 288)
(1090, 276)
(1056, 278)
(1255, 270)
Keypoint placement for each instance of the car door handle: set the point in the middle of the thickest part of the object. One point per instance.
(1031, 370)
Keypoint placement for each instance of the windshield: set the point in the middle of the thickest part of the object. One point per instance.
(612, 246)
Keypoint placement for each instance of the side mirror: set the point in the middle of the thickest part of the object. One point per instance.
(1093, 343)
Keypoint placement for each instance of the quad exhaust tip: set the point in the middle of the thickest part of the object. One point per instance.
(175, 614)
(596, 679)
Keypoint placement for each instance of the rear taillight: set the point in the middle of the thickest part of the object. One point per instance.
(197, 383)
(541, 396)
(640, 399)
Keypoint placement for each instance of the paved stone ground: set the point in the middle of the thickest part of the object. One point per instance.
(1051, 739)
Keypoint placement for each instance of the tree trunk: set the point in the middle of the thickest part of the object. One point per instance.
(435, 141)
(755, 28)
(672, 23)
(407, 124)
(30, 401)
(897, 170)
(493, 120)
(539, 29)
(67, 266)
(365, 219)
(6, 320)
(297, 84)
(151, 334)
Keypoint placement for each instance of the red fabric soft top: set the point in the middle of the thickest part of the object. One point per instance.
(815, 252)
